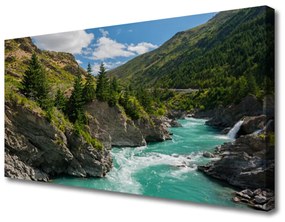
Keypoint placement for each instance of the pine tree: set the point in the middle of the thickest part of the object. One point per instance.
(30, 78)
(34, 83)
(75, 103)
(89, 91)
(60, 100)
(114, 84)
(251, 84)
(145, 99)
(114, 92)
(102, 90)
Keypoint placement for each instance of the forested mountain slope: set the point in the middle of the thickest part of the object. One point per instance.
(230, 50)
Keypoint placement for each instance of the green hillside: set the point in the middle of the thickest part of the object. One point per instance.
(231, 55)
(61, 68)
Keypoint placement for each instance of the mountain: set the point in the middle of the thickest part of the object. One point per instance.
(61, 67)
(230, 45)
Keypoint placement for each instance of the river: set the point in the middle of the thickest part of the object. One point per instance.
(167, 169)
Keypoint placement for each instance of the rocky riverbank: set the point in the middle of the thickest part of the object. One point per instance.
(247, 163)
(38, 149)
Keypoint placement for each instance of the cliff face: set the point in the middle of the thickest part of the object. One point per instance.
(35, 149)
(122, 131)
(227, 117)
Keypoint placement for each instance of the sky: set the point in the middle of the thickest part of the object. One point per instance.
(115, 45)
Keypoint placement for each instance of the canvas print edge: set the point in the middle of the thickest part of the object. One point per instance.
(36, 147)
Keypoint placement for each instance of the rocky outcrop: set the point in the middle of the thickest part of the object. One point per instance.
(227, 117)
(112, 120)
(154, 129)
(176, 114)
(247, 162)
(258, 199)
(35, 149)
(120, 131)
(251, 124)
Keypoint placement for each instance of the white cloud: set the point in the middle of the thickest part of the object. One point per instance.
(87, 51)
(109, 48)
(141, 47)
(72, 42)
(108, 66)
(96, 68)
(104, 33)
(78, 61)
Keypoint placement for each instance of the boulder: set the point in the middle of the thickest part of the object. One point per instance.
(251, 124)
(208, 154)
(258, 202)
(259, 199)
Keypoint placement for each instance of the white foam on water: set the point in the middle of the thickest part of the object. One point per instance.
(129, 163)
(193, 122)
(223, 137)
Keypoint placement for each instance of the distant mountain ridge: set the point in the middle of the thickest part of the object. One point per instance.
(231, 44)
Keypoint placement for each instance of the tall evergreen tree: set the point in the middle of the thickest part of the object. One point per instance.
(60, 100)
(34, 83)
(113, 95)
(89, 91)
(145, 99)
(75, 103)
(114, 84)
(102, 90)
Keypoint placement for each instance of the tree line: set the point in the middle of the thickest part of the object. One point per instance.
(35, 86)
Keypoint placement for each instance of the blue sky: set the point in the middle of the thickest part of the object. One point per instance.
(116, 45)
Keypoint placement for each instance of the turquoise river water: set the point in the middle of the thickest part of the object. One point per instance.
(167, 169)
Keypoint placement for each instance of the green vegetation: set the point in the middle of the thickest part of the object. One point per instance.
(75, 103)
(131, 106)
(229, 57)
(102, 90)
(58, 119)
(34, 84)
(60, 100)
(89, 87)
(80, 130)
(114, 92)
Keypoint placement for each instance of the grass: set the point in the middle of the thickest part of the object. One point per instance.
(79, 129)
(57, 119)
(11, 95)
